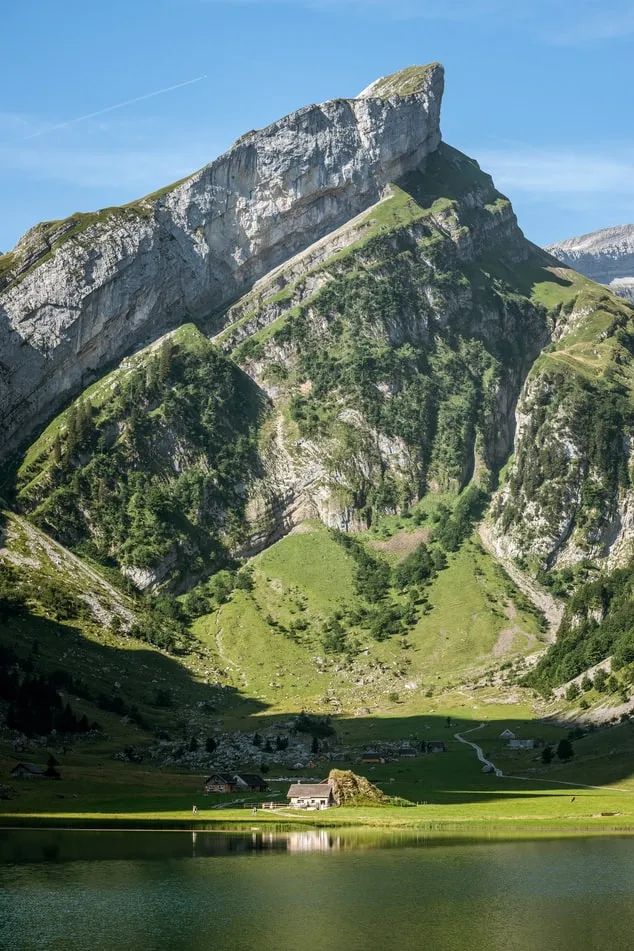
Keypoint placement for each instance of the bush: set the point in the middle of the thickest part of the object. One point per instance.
(565, 750)
(415, 569)
(315, 725)
(163, 698)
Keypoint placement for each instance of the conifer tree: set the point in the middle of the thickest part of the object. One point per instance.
(165, 361)
(56, 450)
(72, 430)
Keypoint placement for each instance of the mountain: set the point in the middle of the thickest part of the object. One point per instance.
(252, 422)
(606, 256)
(79, 294)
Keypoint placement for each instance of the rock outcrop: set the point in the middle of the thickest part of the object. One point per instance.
(605, 256)
(349, 789)
(79, 294)
(567, 496)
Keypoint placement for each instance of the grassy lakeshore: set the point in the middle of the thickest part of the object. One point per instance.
(479, 807)
(592, 794)
(419, 821)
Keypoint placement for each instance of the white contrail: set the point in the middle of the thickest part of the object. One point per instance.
(118, 105)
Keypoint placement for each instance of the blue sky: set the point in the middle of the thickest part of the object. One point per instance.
(538, 91)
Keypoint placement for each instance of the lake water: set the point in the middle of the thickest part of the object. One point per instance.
(319, 890)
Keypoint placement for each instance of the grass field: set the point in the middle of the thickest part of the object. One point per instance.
(449, 790)
(253, 668)
(475, 618)
(453, 793)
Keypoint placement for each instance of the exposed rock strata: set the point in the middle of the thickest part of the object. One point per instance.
(605, 256)
(78, 295)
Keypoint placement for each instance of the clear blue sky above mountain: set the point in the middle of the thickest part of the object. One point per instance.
(539, 91)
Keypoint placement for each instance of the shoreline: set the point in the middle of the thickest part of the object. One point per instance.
(471, 829)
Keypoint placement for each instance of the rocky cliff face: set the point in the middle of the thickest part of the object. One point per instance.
(606, 256)
(568, 495)
(398, 368)
(79, 294)
(375, 313)
(386, 361)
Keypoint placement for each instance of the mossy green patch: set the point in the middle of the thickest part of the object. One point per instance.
(405, 82)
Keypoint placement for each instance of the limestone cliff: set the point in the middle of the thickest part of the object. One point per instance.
(386, 358)
(79, 294)
(568, 497)
(366, 315)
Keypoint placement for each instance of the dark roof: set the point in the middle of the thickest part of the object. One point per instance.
(251, 779)
(228, 778)
(309, 791)
(29, 767)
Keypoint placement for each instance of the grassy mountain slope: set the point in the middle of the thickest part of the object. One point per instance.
(363, 395)
(569, 484)
(305, 636)
(146, 470)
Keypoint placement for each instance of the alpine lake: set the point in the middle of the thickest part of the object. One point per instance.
(324, 889)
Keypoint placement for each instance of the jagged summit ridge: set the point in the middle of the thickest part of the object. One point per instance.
(617, 239)
(606, 256)
(81, 293)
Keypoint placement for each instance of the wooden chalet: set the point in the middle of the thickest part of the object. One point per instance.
(234, 782)
(251, 781)
(409, 752)
(372, 756)
(220, 783)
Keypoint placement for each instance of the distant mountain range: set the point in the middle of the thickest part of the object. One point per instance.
(606, 256)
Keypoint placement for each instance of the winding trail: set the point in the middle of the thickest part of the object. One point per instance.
(528, 779)
(478, 749)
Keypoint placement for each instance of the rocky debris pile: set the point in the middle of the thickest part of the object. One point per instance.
(352, 790)
(279, 746)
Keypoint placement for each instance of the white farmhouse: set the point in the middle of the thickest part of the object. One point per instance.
(310, 796)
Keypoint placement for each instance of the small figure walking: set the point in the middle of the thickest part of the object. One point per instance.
(254, 810)
(195, 809)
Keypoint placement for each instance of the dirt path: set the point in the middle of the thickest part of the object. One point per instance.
(231, 665)
(527, 779)
(478, 749)
(544, 601)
